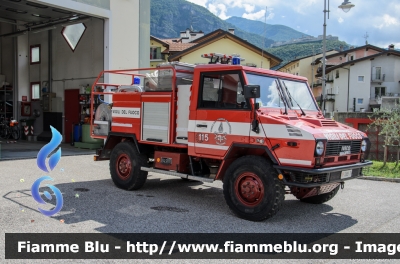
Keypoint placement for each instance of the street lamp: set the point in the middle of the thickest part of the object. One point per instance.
(345, 6)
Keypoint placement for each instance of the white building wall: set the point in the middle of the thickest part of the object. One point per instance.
(73, 69)
(343, 85)
(360, 90)
(391, 69)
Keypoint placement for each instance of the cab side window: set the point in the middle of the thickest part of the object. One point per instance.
(223, 91)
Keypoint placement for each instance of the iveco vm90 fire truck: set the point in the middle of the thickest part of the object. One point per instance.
(259, 131)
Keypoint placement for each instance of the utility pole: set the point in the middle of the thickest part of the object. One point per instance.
(264, 36)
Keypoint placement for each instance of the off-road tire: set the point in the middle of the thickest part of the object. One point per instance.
(125, 164)
(322, 198)
(267, 196)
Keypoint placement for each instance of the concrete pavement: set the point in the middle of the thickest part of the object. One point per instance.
(23, 149)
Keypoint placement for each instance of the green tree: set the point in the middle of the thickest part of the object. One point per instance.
(388, 120)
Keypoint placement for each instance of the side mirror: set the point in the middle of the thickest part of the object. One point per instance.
(251, 91)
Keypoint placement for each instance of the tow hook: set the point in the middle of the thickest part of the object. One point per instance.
(342, 185)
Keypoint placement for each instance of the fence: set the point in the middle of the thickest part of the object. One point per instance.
(361, 122)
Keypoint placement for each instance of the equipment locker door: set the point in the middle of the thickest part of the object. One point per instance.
(223, 116)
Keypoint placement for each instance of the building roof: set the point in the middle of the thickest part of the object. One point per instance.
(301, 58)
(371, 57)
(367, 47)
(177, 47)
(219, 34)
(162, 41)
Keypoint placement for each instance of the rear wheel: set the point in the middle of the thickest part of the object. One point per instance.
(252, 189)
(125, 166)
(3, 133)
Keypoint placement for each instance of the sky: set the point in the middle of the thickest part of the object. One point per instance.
(377, 19)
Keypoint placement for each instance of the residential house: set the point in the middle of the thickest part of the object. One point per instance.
(225, 42)
(365, 82)
(162, 49)
(340, 58)
(304, 67)
(157, 51)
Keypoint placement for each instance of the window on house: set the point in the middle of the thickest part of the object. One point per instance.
(35, 54)
(155, 53)
(351, 57)
(376, 74)
(35, 91)
(380, 91)
(361, 78)
(337, 73)
(360, 101)
(297, 64)
(73, 34)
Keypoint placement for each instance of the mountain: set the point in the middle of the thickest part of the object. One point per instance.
(292, 51)
(170, 17)
(274, 32)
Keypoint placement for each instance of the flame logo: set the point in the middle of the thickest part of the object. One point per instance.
(47, 149)
(53, 161)
(38, 198)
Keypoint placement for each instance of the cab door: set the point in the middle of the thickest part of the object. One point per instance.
(223, 116)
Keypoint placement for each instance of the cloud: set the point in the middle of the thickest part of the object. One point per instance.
(249, 8)
(218, 10)
(304, 7)
(213, 9)
(340, 20)
(199, 2)
(387, 22)
(254, 16)
(223, 11)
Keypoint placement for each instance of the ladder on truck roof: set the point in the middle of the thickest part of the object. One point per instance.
(219, 58)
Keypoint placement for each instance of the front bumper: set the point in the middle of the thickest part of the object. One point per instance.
(310, 178)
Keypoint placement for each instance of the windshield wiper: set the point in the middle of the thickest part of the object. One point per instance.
(281, 96)
(292, 99)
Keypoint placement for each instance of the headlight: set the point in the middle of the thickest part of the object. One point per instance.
(319, 148)
(364, 145)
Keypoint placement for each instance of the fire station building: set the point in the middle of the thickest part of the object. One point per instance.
(51, 50)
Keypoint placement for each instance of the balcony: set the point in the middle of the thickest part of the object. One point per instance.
(387, 101)
(378, 78)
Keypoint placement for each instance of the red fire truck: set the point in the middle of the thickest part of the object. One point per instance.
(259, 131)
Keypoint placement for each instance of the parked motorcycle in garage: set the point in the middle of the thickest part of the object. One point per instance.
(9, 128)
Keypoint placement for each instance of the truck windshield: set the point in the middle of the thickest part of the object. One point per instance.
(297, 93)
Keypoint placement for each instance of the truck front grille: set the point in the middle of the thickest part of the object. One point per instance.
(335, 148)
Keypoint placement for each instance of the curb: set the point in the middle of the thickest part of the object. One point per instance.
(372, 178)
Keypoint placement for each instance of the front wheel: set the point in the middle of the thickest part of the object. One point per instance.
(252, 189)
(125, 166)
(15, 133)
